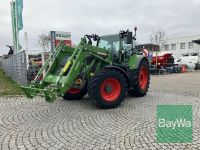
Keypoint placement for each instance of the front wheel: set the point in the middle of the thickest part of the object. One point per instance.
(107, 89)
(140, 84)
(75, 94)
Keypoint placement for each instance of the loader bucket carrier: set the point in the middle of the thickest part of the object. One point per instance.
(105, 70)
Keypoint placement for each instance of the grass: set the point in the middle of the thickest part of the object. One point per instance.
(8, 86)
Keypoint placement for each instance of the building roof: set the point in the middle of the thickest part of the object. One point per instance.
(181, 37)
(148, 44)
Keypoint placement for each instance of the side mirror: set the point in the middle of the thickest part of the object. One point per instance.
(129, 39)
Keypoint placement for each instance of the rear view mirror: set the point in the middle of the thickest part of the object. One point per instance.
(129, 39)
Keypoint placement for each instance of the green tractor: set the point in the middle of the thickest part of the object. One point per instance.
(105, 68)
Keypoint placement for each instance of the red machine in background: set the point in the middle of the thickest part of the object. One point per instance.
(160, 61)
(163, 62)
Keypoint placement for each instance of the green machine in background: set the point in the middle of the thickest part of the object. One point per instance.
(106, 71)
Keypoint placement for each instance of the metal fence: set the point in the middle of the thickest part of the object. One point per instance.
(15, 67)
(0, 64)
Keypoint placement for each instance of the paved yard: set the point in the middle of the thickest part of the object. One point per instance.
(35, 124)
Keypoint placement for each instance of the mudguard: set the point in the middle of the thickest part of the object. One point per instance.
(135, 60)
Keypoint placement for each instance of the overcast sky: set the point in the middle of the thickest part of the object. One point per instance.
(176, 17)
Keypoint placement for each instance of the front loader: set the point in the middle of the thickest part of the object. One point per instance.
(105, 68)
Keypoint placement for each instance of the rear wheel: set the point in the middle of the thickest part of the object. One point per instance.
(141, 80)
(107, 89)
(75, 94)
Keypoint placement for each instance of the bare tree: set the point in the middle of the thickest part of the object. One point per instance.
(44, 41)
(158, 37)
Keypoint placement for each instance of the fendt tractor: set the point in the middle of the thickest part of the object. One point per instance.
(104, 67)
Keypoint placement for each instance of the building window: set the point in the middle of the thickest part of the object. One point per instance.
(182, 45)
(166, 47)
(190, 45)
(173, 46)
(185, 54)
(194, 54)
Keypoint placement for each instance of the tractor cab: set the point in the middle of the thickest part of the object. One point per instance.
(120, 46)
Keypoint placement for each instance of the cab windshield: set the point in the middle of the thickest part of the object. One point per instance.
(111, 43)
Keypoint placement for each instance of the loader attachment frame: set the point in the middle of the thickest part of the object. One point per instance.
(60, 78)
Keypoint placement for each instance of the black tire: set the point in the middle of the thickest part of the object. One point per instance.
(137, 90)
(107, 80)
(76, 96)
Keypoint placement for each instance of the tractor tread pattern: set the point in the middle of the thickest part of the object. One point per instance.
(136, 91)
(94, 88)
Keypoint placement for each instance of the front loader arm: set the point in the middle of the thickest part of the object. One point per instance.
(51, 59)
(77, 64)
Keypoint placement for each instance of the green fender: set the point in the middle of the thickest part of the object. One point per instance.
(135, 60)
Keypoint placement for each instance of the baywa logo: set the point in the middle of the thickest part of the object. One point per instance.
(162, 123)
(174, 123)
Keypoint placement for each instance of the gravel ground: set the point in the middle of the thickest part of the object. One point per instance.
(35, 124)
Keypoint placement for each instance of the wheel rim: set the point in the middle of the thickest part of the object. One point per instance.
(110, 89)
(74, 91)
(143, 78)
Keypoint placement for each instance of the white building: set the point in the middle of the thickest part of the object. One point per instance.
(184, 46)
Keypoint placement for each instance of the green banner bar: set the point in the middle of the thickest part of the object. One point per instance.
(19, 4)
